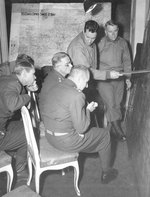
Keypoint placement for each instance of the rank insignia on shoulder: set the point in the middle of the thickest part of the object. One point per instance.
(59, 79)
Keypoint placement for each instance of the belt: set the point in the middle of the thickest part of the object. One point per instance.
(55, 134)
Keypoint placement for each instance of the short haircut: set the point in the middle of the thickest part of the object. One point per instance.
(24, 57)
(79, 69)
(111, 23)
(91, 25)
(57, 57)
(22, 65)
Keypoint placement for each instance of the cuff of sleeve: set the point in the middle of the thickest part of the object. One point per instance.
(108, 75)
(128, 77)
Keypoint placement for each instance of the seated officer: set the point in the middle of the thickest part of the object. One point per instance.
(12, 97)
(61, 66)
(66, 117)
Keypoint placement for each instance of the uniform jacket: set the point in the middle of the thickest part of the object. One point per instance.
(114, 55)
(12, 98)
(83, 54)
(50, 81)
(64, 109)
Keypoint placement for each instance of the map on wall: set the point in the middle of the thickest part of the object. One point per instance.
(41, 30)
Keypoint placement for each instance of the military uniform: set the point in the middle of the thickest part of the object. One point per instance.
(114, 55)
(12, 98)
(50, 81)
(65, 111)
(81, 53)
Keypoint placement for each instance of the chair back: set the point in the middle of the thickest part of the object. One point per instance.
(34, 110)
(30, 137)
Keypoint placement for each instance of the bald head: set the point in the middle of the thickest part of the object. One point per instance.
(80, 76)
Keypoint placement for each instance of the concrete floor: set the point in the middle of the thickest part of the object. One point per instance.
(90, 184)
(53, 184)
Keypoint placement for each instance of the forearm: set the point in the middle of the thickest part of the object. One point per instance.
(99, 75)
(79, 114)
(104, 75)
(85, 124)
(16, 102)
(127, 60)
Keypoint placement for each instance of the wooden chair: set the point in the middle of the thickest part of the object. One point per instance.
(38, 125)
(5, 166)
(105, 121)
(34, 110)
(46, 157)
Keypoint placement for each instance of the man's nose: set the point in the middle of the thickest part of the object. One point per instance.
(70, 65)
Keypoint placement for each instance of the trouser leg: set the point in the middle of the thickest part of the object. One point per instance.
(112, 93)
(105, 157)
(15, 141)
(116, 126)
(108, 173)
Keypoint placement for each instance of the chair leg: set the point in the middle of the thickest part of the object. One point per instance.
(37, 181)
(10, 176)
(76, 178)
(63, 172)
(105, 122)
(30, 171)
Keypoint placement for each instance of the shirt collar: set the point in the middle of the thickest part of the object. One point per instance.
(59, 76)
(70, 83)
(108, 40)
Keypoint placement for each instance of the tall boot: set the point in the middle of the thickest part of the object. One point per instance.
(118, 130)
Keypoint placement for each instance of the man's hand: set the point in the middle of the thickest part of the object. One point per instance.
(33, 87)
(115, 74)
(128, 83)
(92, 106)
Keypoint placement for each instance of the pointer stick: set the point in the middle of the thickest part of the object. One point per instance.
(135, 72)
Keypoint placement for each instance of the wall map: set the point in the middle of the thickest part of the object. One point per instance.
(40, 30)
